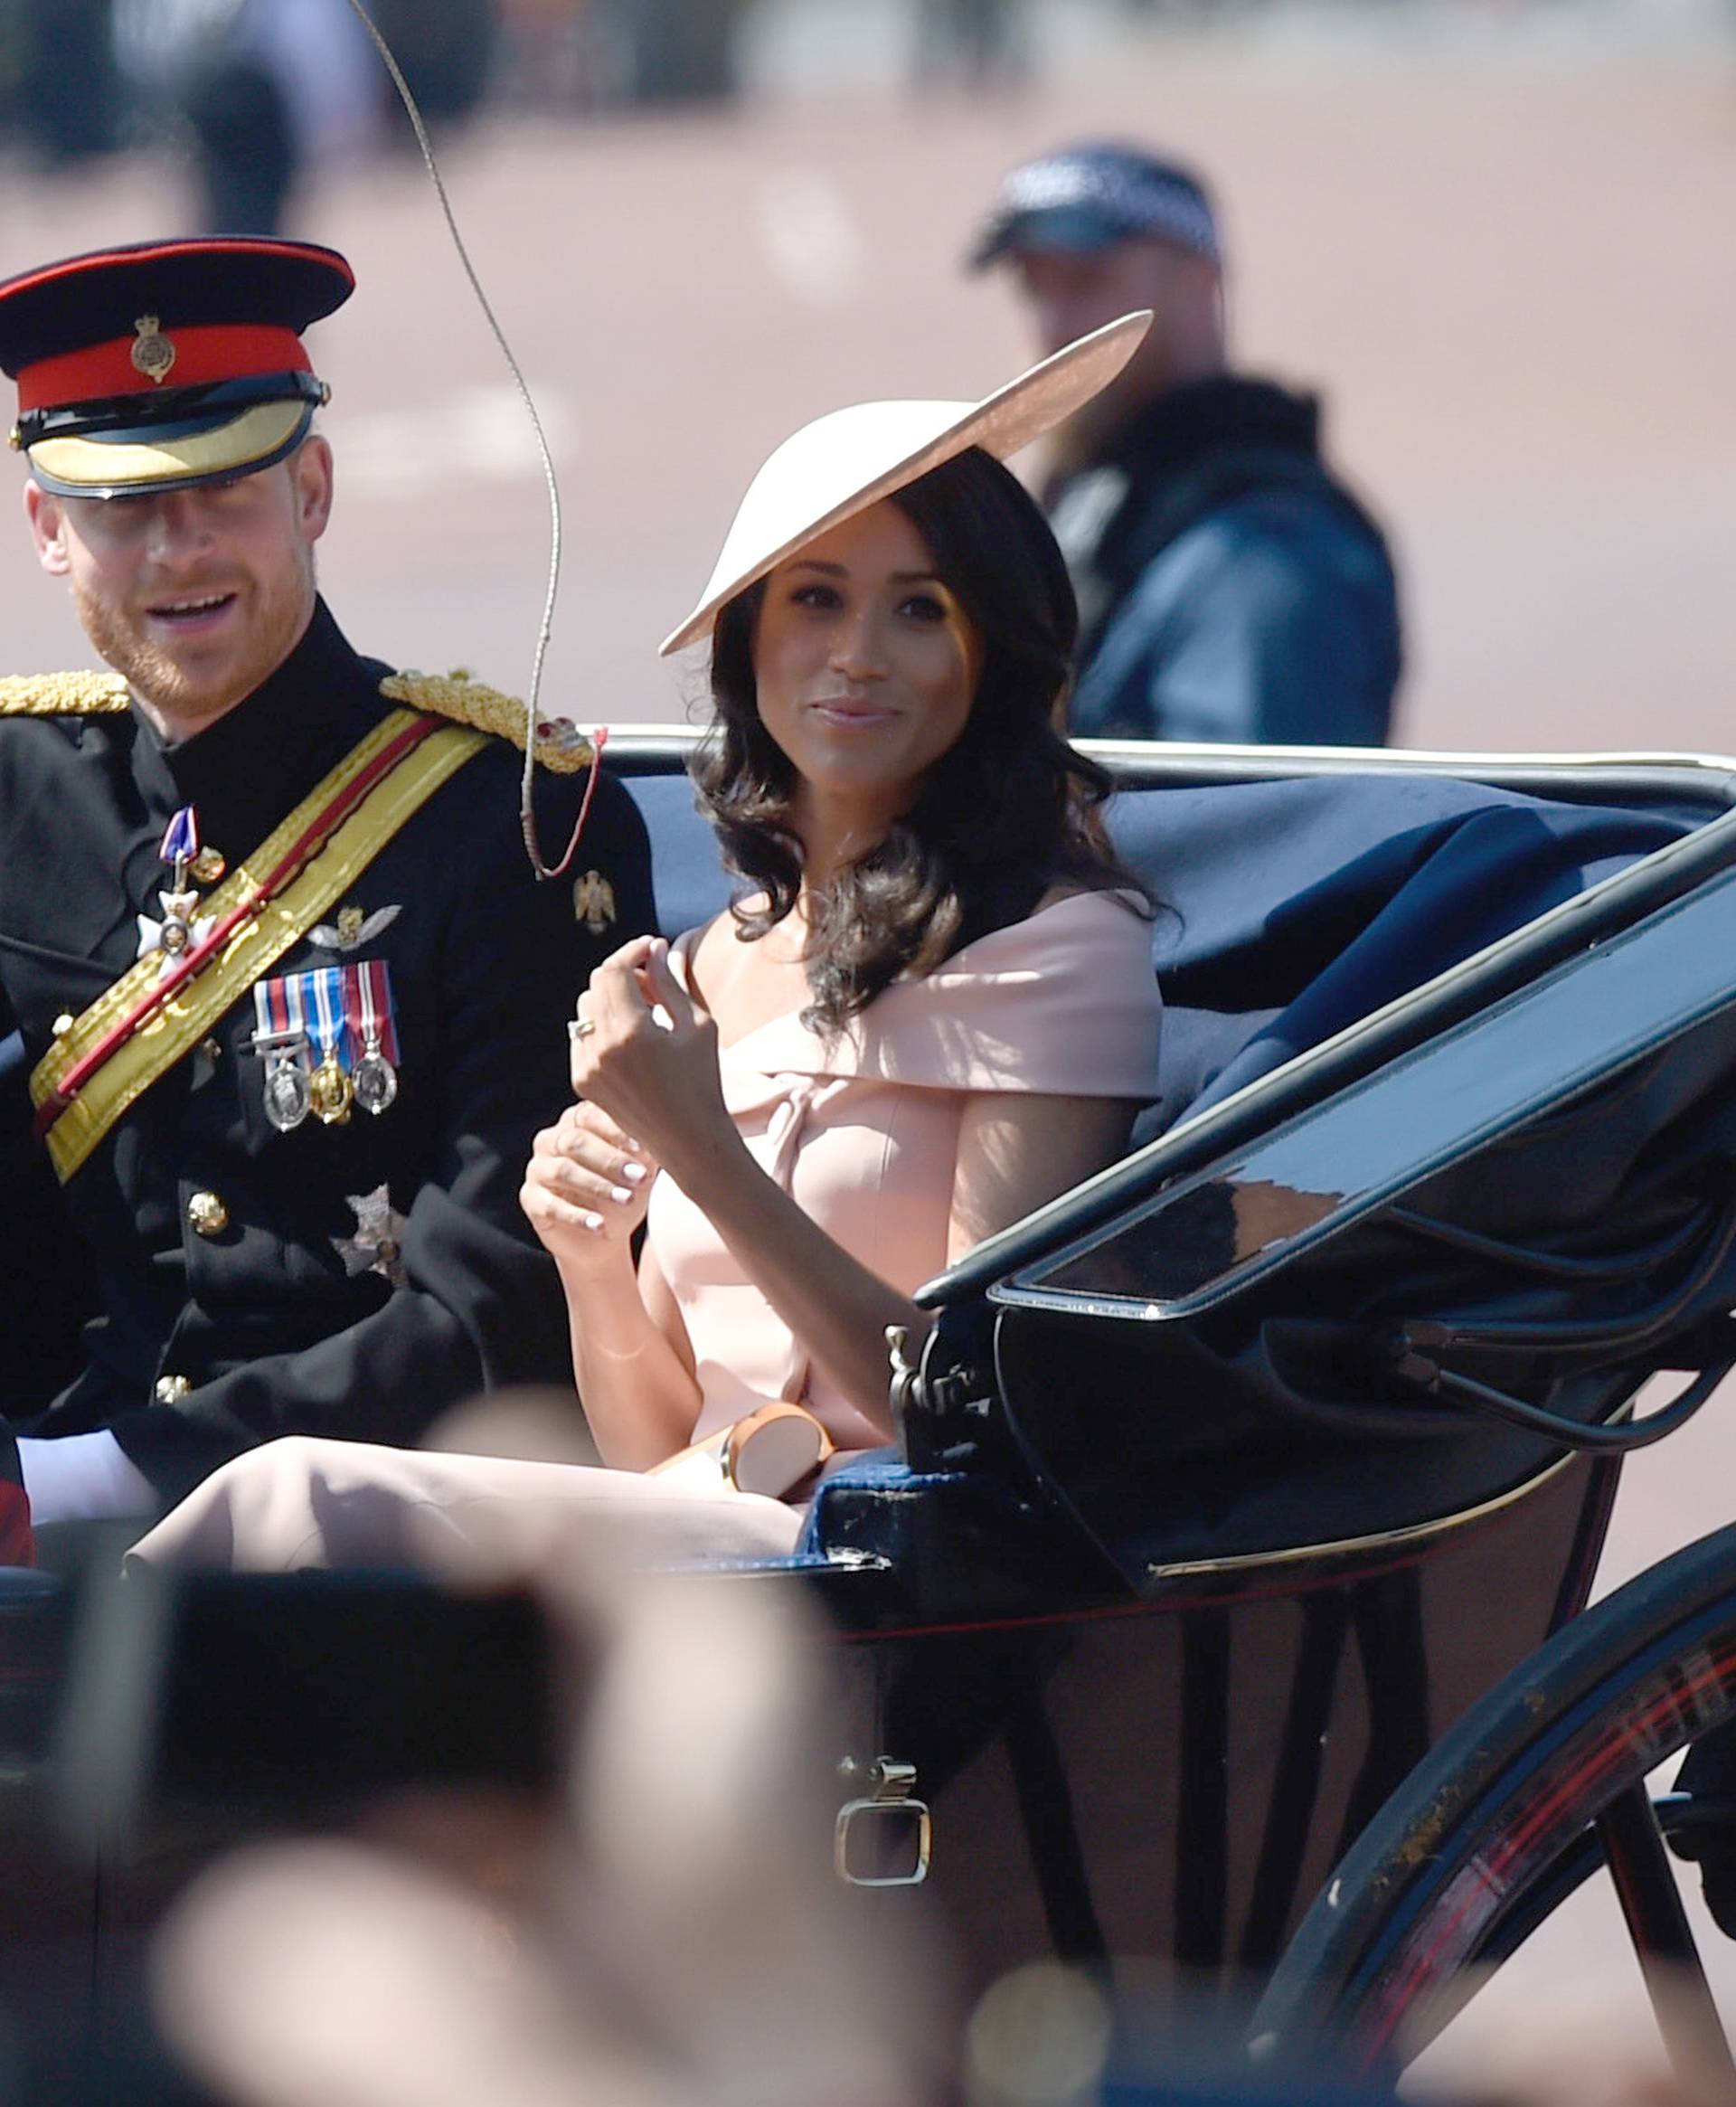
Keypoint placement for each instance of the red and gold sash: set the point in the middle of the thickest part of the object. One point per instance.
(135, 1032)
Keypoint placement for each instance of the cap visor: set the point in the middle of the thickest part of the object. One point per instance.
(1056, 229)
(146, 458)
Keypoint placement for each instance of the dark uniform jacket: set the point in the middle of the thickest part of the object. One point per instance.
(235, 1301)
(1230, 587)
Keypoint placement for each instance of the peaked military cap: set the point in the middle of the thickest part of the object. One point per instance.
(168, 363)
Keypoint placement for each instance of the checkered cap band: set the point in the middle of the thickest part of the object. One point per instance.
(1127, 196)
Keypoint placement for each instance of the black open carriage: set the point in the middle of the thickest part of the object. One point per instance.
(1229, 1481)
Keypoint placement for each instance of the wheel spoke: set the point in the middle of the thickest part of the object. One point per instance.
(1676, 1977)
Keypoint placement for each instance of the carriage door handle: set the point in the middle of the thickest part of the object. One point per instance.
(884, 1838)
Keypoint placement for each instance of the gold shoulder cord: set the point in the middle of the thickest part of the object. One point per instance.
(62, 694)
(560, 746)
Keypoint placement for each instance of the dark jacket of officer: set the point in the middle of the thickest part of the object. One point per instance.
(1230, 587)
(235, 1302)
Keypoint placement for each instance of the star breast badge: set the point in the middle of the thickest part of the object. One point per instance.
(376, 1247)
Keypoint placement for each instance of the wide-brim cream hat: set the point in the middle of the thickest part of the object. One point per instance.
(844, 462)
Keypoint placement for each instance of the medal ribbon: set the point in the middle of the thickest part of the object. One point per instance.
(181, 840)
(323, 990)
(367, 1008)
(279, 1007)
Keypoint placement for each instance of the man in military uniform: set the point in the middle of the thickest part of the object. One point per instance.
(290, 993)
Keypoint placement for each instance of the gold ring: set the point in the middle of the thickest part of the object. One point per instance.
(580, 1028)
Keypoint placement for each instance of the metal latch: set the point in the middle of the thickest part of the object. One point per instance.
(884, 1840)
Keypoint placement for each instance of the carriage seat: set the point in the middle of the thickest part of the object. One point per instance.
(1289, 907)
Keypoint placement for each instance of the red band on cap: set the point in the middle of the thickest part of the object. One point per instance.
(223, 351)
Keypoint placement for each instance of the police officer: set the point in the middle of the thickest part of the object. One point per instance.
(291, 997)
(1230, 587)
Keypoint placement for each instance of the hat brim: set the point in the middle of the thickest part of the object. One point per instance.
(1001, 424)
(1075, 229)
(148, 459)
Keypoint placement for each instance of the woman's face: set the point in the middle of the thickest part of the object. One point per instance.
(865, 664)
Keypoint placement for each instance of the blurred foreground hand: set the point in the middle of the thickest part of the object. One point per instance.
(671, 1933)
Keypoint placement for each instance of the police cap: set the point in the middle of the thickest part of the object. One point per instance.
(1089, 197)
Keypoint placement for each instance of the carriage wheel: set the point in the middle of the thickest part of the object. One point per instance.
(1537, 1786)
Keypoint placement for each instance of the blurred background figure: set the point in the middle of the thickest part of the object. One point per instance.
(245, 148)
(263, 90)
(586, 55)
(59, 92)
(972, 43)
(678, 51)
(1230, 587)
(558, 55)
(448, 49)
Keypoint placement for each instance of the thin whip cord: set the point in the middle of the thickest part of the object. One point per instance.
(526, 812)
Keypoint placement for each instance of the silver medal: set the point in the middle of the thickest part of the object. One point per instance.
(374, 1081)
(286, 1092)
(287, 1096)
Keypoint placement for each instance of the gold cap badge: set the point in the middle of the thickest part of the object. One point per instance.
(154, 354)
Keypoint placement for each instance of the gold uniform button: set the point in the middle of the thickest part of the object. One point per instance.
(208, 867)
(64, 1023)
(171, 1389)
(207, 1214)
(212, 1049)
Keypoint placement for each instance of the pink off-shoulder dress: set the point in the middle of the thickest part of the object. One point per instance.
(864, 1133)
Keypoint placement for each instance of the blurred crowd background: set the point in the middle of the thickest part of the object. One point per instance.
(1489, 232)
(86, 78)
(1494, 233)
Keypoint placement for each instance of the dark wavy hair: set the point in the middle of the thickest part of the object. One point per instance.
(1007, 812)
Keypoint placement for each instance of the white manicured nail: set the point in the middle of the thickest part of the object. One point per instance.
(634, 1173)
(592, 1220)
(619, 1194)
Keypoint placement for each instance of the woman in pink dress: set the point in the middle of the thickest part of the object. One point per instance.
(930, 1009)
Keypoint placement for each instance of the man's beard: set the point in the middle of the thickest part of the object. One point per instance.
(275, 619)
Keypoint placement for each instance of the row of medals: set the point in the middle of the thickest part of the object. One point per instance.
(292, 1089)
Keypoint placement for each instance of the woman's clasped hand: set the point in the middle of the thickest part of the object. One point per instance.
(645, 1078)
